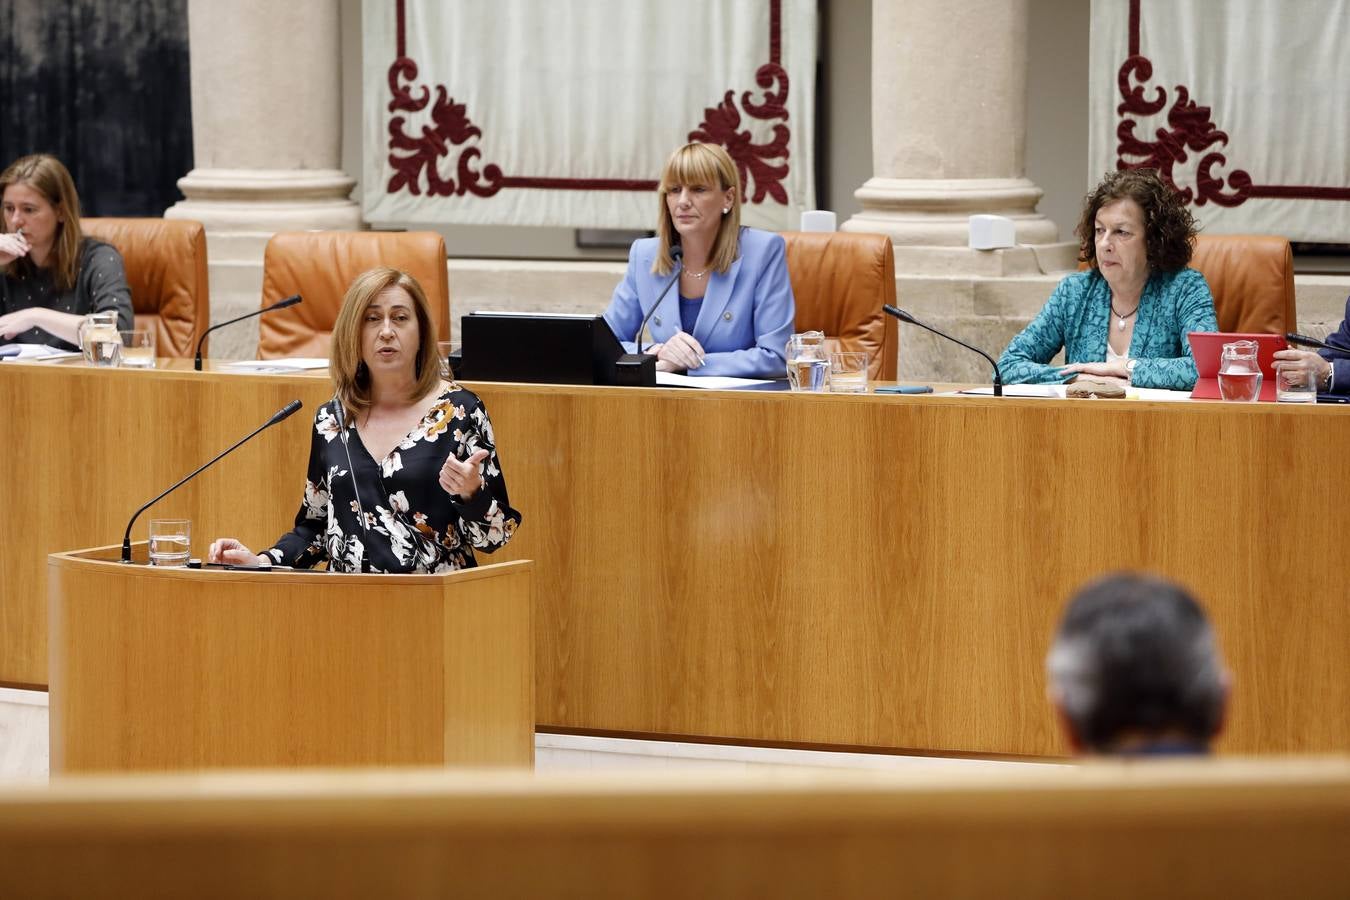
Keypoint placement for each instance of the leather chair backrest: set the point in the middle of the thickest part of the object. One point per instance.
(321, 265)
(840, 281)
(1252, 279)
(166, 269)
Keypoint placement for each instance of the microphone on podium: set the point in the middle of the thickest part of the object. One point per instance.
(280, 304)
(906, 317)
(280, 415)
(638, 369)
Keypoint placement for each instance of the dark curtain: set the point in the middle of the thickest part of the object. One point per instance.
(103, 85)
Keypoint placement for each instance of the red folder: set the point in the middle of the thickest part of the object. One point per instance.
(1207, 348)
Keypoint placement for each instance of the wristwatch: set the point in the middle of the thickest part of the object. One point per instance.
(1129, 367)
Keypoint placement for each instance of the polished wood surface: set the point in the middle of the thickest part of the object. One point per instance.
(875, 570)
(1240, 829)
(887, 571)
(156, 669)
(85, 447)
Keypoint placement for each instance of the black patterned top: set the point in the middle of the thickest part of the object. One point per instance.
(392, 515)
(100, 286)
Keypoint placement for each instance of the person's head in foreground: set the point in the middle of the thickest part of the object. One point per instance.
(1134, 669)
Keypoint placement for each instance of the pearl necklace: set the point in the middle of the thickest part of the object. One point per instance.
(696, 274)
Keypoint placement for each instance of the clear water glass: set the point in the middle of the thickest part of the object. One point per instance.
(138, 348)
(848, 372)
(170, 541)
(1295, 382)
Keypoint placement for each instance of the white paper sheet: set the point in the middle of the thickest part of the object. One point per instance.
(35, 351)
(706, 382)
(286, 364)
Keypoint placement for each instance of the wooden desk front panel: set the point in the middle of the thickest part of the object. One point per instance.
(887, 571)
(879, 571)
(186, 669)
(85, 447)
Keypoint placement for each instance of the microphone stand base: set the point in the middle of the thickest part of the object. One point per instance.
(635, 370)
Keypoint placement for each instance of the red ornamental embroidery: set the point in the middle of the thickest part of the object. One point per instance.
(452, 129)
(1189, 131)
(722, 125)
(411, 155)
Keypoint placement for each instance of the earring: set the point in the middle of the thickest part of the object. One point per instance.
(725, 210)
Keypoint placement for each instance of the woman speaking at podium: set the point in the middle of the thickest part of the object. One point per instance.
(403, 472)
(1126, 317)
(51, 275)
(732, 309)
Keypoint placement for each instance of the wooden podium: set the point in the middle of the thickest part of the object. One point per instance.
(154, 669)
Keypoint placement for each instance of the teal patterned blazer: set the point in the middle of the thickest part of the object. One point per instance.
(1077, 316)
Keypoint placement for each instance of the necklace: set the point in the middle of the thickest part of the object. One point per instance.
(696, 274)
(1121, 319)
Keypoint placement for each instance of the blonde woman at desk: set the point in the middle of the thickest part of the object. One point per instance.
(403, 472)
(732, 310)
(51, 275)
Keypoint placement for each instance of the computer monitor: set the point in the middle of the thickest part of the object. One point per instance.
(542, 348)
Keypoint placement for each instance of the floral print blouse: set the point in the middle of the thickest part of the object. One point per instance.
(392, 515)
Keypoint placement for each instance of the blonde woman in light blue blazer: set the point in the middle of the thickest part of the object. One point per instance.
(731, 312)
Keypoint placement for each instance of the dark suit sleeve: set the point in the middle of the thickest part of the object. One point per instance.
(1340, 362)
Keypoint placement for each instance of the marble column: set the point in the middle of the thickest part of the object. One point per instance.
(949, 109)
(267, 133)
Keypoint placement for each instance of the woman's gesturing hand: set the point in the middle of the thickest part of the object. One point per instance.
(463, 478)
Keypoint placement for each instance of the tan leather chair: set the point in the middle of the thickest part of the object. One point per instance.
(840, 281)
(1252, 279)
(321, 265)
(165, 262)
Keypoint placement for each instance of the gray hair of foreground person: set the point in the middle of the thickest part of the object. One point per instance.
(1134, 668)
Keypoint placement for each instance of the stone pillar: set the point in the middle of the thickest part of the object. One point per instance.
(948, 135)
(267, 133)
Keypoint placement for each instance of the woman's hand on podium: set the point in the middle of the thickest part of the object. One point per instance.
(232, 552)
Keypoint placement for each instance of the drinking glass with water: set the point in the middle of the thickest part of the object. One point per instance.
(808, 362)
(138, 348)
(1239, 372)
(170, 541)
(99, 340)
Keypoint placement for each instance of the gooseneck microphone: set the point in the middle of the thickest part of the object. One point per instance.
(280, 304)
(280, 415)
(676, 257)
(906, 317)
(1303, 340)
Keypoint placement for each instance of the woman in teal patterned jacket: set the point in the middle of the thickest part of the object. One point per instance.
(1125, 318)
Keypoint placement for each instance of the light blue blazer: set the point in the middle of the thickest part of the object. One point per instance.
(746, 316)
